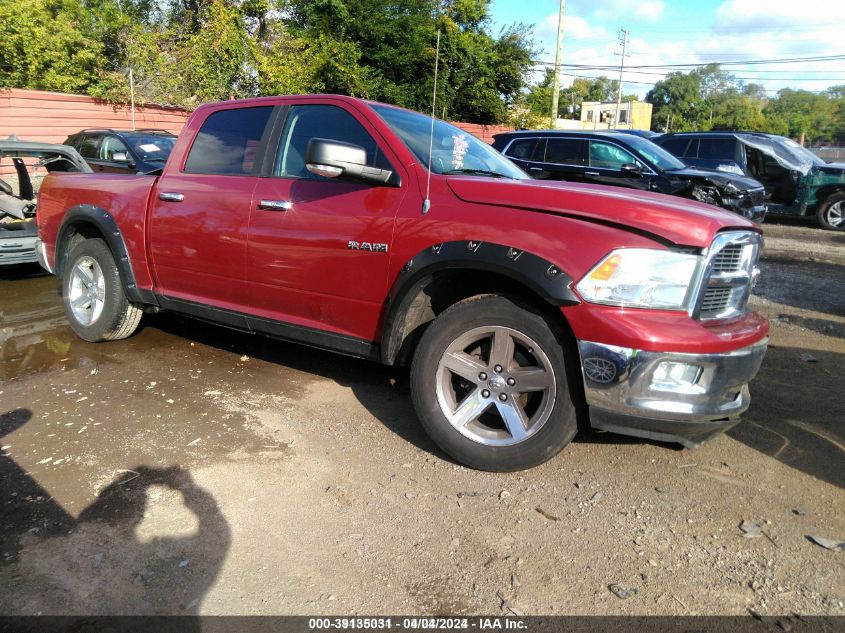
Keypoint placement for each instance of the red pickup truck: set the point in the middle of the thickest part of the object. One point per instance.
(522, 306)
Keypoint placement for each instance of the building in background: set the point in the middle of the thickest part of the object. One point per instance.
(633, 115)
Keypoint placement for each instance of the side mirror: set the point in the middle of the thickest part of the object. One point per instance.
(334, 159)
(631, 169)
(122, 157)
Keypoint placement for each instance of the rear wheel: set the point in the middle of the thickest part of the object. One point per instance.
(95, 303)
(832, 213)
(489, 386)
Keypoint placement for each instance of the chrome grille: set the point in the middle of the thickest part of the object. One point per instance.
(729, 259)
(730, 269)
(715, 301)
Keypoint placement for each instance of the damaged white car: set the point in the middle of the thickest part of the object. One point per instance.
(18, 194)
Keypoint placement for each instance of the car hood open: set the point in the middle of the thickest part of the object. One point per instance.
(682, 222)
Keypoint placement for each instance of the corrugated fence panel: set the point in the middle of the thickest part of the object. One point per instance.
(51, 117)
(484, 132)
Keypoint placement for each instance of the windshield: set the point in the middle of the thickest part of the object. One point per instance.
(152, 147)
(653, 153)
(453, 150)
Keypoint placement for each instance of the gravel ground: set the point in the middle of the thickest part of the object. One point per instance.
(191, 469)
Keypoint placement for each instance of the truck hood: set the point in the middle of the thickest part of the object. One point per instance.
(667, 218)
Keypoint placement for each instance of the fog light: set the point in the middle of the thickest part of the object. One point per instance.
(670, 376)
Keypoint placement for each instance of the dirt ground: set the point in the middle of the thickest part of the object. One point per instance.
(192, 469)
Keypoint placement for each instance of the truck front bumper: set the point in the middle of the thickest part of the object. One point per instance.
(667, 396)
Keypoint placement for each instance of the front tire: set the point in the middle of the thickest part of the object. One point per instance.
(831, 214)
(489, 386)
(95, 304)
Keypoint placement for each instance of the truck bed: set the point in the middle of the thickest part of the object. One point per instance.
(124, 197)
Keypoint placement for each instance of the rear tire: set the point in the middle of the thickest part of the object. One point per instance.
(831, 214)
(489, 386)
(95, 304)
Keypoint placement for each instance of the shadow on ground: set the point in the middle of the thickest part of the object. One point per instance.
(796, 414)
(104, 562)
(382, 390)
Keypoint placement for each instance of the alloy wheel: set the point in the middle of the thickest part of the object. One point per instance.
(495, 386)
(87, 290)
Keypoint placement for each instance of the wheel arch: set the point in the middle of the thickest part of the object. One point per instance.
(450, 272)
(823, 194)
(88, 221)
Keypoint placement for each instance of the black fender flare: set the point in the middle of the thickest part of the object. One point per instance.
(543, 277)
(104, 222)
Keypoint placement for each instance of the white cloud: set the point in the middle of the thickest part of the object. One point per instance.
(756, 14)
(574, 27)
(738, 30)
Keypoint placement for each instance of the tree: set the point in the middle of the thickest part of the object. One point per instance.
(804, 113)
(677, 102)
(184, 52)
(481, 75)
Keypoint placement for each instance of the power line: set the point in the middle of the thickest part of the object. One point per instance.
(747, 62)
(652, 83)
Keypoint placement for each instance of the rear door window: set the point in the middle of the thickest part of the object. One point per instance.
(677, 145)
(522, 148)
(228, 142)
(566, 151)
(89, 146)
(717, 148)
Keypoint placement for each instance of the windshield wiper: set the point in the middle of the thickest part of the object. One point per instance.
(478, 172)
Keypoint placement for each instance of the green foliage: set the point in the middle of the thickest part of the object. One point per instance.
(43, 46)
(710, 98)
(184, 52)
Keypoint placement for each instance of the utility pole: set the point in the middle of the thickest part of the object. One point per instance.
(131, 75)
(623, 40)
(558, 55)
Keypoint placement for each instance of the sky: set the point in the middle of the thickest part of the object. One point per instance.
(690, 32)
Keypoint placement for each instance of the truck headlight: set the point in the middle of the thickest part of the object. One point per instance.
(641, 278)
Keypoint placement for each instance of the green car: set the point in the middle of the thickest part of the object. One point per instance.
(797, 181)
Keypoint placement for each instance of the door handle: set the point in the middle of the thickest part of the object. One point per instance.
(275, 205)
(171, 196)
(592, 173)
(535, 169)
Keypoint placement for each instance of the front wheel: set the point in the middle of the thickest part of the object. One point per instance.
(489, 386)
(832, 213)
(95, 303)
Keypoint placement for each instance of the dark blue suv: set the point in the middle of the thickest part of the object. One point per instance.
(797, 181)
(626, 160)
(123, 152)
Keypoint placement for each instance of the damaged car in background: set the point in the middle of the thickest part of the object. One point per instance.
(797, 181)
(631, 161)
(30, 162)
